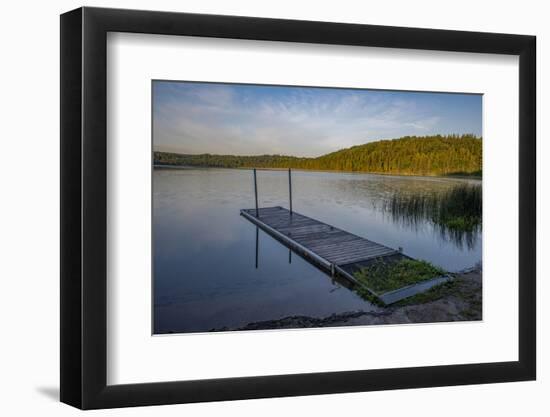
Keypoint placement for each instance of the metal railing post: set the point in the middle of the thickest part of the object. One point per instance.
(290, 189)
(256, 193)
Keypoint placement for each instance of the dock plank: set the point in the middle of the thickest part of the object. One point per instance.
(336, 246)
(332, 249)
(352, 253)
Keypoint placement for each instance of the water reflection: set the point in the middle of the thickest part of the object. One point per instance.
(335, 280)
(257, 244)
(212, 268)
(455, 213)
(258, 249)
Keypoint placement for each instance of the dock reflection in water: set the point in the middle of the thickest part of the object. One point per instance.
(213, 269)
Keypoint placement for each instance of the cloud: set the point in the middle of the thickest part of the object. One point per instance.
(251, 120)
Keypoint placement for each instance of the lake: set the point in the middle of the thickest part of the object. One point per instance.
(213, 269)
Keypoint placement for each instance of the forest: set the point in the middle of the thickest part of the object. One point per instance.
(409, 155)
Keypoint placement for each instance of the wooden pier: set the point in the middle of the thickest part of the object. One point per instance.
(334, 250)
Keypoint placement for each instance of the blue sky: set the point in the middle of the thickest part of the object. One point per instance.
(237, 119)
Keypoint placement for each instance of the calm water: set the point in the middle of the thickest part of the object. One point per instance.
(214, 269)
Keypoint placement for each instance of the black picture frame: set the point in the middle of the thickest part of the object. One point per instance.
(84, 207)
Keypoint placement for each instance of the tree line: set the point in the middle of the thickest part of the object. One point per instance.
(409, 155)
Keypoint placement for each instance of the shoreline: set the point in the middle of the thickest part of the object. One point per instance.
(458, 300)
(448, 176)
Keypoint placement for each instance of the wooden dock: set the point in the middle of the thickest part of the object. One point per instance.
(334, 250)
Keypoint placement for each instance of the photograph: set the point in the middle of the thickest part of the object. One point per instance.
(272, 209)
(291, 207)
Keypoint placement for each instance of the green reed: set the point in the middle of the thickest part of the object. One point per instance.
(456, 213)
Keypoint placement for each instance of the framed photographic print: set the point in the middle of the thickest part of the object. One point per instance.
(258, 207)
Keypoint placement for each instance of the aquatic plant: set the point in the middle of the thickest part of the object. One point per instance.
(456, 213)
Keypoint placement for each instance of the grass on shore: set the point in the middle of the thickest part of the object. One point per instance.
(382, 277)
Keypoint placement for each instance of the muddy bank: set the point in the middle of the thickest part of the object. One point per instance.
(458, 300)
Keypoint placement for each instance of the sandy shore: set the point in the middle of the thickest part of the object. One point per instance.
(459, 300)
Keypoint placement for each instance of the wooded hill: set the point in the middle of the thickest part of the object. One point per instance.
(410, 155)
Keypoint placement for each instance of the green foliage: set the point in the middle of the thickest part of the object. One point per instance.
(383, 276)
(475, 174)
(455, 213)
(459, 208)
(410, 155)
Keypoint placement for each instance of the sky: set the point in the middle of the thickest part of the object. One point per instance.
(242, 119)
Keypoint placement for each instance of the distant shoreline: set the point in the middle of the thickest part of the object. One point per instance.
(424, 156)
(457, 176)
